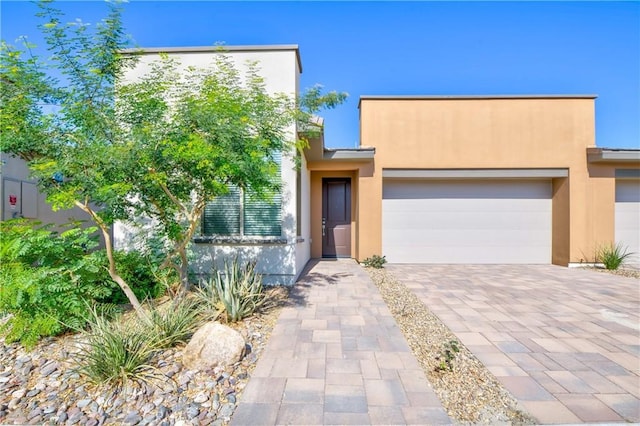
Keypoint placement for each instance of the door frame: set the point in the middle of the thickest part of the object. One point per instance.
(348, 207)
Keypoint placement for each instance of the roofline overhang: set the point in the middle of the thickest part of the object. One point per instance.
(613, 155)
(354, 154)
(316, 151)
(218, 49)
(469, 97)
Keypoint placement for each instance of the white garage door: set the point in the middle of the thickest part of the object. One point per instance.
(462, 221)
(628, 217)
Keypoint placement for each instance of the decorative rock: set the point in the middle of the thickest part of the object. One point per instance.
(162, 412)
(92, 422)
(132, 418)
(49, 368)
(227, 410)
(231, 398)
(34, 413)
(200, 398)
(212, 345)
(83, 403)
(192, 411)
(36, 420)
(18, 394)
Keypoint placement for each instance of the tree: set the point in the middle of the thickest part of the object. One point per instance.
(161, 147)
(65, 127)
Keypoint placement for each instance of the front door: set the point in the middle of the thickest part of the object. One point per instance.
(336, 217)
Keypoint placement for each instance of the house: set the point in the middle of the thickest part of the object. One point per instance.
(493, 179)
(435, 179)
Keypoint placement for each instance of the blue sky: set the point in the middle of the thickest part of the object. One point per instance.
(411, 48)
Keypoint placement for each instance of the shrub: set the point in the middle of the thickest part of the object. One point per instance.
(176, 322)
(139, 271)
(117, 353)
(612, 255)
(374, 261)
(234, 294)
(447, 355)
(47, 279)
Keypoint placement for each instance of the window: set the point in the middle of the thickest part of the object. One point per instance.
(240, 213)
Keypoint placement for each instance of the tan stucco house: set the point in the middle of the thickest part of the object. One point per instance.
(435, 179)
(480, 179)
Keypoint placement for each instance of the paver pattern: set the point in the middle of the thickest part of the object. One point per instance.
(337, 356)
(565, 342)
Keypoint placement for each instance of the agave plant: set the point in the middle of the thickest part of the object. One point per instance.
(234, 293)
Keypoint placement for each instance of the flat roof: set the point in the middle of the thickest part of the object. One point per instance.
(470, 97)
(220, 49)
(618, 155)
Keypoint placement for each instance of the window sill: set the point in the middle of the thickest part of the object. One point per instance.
(239, 240)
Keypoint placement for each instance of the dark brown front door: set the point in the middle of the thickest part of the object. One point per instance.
(336, 217)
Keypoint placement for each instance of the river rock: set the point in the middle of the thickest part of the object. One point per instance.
(212, 345)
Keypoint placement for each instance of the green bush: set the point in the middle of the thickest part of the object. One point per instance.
(137, 270)
(612, 256)
(234, 294)
(47, 279)
(375, 261)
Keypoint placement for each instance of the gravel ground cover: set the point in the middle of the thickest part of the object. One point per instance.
(623, 272)
(41, 386)
(468, 391)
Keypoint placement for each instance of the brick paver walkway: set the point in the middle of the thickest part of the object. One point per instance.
(565, 342)
(337, 357)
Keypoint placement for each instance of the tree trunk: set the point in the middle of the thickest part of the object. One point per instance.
(113, 272)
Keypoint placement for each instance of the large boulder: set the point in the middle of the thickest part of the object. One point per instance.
(212, 345)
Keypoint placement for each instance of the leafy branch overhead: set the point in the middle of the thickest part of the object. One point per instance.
(119, 145)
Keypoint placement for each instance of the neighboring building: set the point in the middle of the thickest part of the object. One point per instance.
(20, 196)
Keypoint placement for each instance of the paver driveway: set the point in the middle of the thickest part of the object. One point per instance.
(565, 342)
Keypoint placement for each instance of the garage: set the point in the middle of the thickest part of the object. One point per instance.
(627, 217)
(467, 221)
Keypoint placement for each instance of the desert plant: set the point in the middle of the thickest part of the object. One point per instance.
(117, 353)
(375, 261)
(235, 293)
(447, 355)
(612, 255)
(175, 322)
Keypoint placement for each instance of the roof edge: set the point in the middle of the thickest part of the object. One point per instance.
(616, 155)
(218, 49)
(472, 97)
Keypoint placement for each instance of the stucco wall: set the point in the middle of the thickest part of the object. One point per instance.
(14, 173)
(280, 262)
(477, 133)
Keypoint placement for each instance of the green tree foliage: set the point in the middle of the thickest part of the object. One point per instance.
(65, 127)
(47, 279)
(161, 146)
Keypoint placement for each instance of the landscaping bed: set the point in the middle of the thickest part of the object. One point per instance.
(42, 387)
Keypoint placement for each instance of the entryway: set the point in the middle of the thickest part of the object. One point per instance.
(336, 217)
